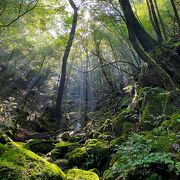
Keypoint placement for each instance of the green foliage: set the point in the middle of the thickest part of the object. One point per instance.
(141, 152)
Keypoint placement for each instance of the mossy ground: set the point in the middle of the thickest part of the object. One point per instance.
(142, 143)
(19, 163)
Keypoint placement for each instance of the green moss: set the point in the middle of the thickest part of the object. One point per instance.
(118, 126)
(173, 123)
(94, 154)
(105, 137)
(106, 127)
(154, 105)
(65, 136)
(154, 176)
(117, 141)
(127, 127)
(124, 120)
(81, 174)
(129, 115)
(77, 157)
(162, 142)
(19, 163)
(62, 148)
(166, 124)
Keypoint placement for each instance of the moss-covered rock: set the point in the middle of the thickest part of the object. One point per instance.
(81, 174)
(65, 136)
(19, 163)
(173, 123)
(62, 148)
(118, 141)
(40, 146)
(124, 121)
(129, 116)
(161, 141)
(155, 105)
(77, 157)
(94, 154)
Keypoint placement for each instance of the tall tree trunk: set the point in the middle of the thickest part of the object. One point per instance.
(156, 23)
(146, 41)
(106, 76)
(176, 14)
(59, 99)
(103, 69)
(166, 80)
(160, 20)
(150, 15)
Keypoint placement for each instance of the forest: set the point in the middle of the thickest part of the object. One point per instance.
(89, 89)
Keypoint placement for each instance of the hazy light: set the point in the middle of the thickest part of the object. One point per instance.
(87, 15)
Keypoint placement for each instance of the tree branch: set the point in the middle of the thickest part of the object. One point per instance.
(29, 8)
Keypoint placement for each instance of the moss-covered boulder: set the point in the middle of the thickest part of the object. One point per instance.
(77, 157)
(117, 141)
(65, 136)
(173, 123)
(40, 146)
(156, 105)
(123, 122)
(62, 148)
(120, 123)
(19, 163)
(106, 127)
(81, 174)
(94, 154)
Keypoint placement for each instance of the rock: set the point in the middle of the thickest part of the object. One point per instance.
(40, 146)
(81, 174)
(62, 148)
(65, 136)
(155, 105)
(173, 123)
(19, 163)
(94, 154)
